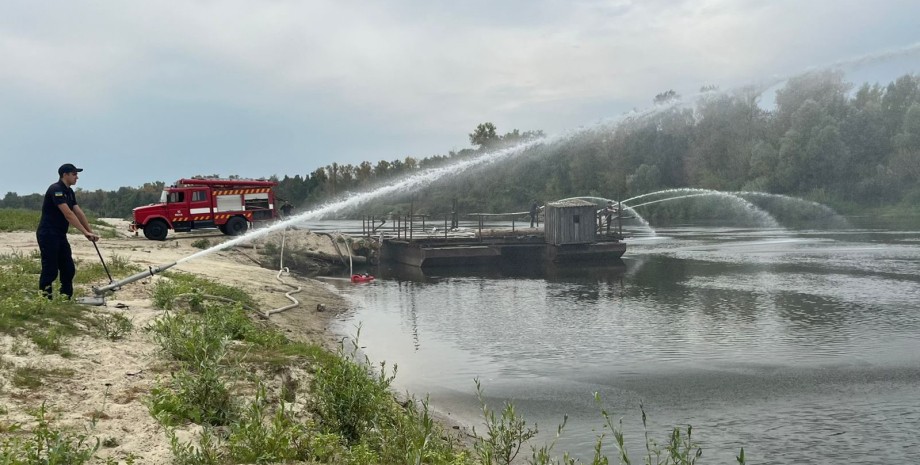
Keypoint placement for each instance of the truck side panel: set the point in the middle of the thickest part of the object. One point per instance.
(229, 202)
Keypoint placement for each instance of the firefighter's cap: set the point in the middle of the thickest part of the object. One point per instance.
(68, 168)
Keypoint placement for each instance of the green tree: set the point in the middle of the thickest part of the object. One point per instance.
(666, 97)
(484, 137)
(724, 133)
(647, 178)
(364, 172)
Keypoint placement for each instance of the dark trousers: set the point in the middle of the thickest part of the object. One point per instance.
(56, 258)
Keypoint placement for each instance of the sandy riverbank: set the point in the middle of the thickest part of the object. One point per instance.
(110, 379)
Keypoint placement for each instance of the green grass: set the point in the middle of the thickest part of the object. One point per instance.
(30, 377)
(200, 395)
(25, 312)
(92, 271)
(45, 445)
(50, 341)
(201, 244)
(188, 288)
(19, 219)
(114, 326)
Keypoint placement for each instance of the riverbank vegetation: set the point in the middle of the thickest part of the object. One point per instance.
(231, 388)
(22, 219)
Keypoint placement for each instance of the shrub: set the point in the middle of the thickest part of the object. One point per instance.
(201, 397)
(114, 326)
(186, 338)
(201, 244)
(253, 440)
(350, 398)
(505, 435)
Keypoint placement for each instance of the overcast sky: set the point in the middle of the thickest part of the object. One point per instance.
(159, 90)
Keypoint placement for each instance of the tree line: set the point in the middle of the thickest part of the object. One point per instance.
(822, 139)
(819, 139)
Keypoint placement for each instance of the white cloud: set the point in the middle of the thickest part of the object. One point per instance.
(425, 71)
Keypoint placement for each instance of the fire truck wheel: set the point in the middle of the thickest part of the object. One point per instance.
(236, 226)
(156, 230)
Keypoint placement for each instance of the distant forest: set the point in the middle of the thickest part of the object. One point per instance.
(820, 140)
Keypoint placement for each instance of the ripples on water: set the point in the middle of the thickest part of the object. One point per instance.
(801, 347)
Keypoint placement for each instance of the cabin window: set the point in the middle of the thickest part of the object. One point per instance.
(198, 196)
(576, 219)
(176, 197)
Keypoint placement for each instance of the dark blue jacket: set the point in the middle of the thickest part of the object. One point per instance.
(53, 220)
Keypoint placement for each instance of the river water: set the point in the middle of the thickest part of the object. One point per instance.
(800, 346)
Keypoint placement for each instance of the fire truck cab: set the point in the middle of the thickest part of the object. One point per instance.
(230, 205)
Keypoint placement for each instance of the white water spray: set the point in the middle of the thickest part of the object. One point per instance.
(762, 215)
(421, 180)
(410, 183)
(765, 218)
(676, 190)
(827, 212)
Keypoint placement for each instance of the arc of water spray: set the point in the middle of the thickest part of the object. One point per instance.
(438, 173)
(696, 192)
(676, 190)
(820, 206)
(652, 202)
(843, 65)
(421, 180)
(410, 183)
(760, 87)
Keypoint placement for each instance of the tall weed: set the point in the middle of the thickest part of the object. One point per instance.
(201, 397)
(187, 338)
(262, 437)
(46, 446)
(207, 453)
(350, 398)
(505, 434)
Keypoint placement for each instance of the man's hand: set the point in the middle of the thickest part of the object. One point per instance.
(91, 236)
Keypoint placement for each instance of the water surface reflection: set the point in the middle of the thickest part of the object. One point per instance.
(799, 346)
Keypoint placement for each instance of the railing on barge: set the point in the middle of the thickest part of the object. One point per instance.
(412, 225)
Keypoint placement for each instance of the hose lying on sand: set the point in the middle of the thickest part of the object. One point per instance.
(283, 269)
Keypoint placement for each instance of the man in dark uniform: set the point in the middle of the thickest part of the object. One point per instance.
(608, 213)
(534, 212)
(286, 209)
(59, 211)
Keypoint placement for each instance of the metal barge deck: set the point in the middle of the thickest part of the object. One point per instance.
(572, 233)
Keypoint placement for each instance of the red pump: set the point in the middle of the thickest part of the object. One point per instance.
(362, 278)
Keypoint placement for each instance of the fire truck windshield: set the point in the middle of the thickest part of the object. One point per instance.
(163, 196)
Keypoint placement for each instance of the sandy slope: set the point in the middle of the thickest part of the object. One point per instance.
(104, 396)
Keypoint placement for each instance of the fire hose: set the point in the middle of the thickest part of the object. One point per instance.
(99, 292)
(282, 269)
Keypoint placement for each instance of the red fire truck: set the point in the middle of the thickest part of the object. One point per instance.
(227, 204)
